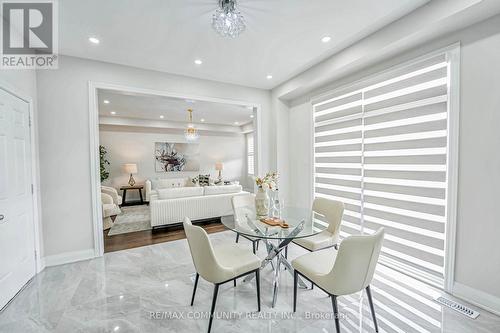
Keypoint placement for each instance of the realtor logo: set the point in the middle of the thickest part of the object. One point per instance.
(29, 34)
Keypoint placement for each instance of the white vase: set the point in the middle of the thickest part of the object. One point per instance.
(262, 202)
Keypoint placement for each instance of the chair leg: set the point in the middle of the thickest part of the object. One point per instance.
(286, 254)
(237, 237)
(234, 283)
(195, 286)
(336, 312)
(372, 308)
(257, 282)
(253, 247)
(214, 300)
(258, 244)
(295, 281)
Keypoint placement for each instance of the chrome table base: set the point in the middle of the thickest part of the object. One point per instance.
(274, 254)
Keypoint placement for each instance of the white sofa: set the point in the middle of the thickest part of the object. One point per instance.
(172, 205)
(151, 186)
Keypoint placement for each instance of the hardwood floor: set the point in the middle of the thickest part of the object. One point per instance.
(148, 237)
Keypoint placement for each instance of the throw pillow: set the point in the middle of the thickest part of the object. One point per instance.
(192, 182)
(204, 180)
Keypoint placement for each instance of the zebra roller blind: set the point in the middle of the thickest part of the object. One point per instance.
(381, 148)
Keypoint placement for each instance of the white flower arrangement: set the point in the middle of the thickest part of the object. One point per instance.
(269, 181)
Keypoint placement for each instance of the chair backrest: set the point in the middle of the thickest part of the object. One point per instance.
(243, 200)
(355, 263)
(332, 210)
(202, 251)
(240, 201)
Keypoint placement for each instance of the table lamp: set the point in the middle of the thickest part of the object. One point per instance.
(219, 166)
(131, 169)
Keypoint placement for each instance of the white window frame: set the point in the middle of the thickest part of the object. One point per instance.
(453, 56)
(248, 137)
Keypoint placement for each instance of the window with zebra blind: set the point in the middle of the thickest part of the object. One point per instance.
(382, 147)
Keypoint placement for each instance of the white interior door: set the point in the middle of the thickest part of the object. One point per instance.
(17, 249)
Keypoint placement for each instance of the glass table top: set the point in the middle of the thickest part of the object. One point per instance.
(302, 223)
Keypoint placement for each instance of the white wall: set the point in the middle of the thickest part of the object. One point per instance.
(64, 138)
(132, 146)
(477, 253)
(300, 164)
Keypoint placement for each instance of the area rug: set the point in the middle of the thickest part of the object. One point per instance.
(132, 218)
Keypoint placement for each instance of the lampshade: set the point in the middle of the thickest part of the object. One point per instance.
(130, 168)
(219, 166)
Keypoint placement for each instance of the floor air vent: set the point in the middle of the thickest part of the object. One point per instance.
(458, 307)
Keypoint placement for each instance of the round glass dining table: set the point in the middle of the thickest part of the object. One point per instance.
(301, 223)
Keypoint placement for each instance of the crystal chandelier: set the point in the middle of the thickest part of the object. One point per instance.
(190, 133)
(227, 20)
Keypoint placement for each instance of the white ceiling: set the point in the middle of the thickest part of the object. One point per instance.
(282, 36)
(151, 107)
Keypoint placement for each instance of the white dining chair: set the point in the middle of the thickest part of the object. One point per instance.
(342, 272)
(220, 264)
(238, 202)
(333, 211)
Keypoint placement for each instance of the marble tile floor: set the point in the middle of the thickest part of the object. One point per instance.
(148, 289)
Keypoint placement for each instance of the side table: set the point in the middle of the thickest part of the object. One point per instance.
(124, 190)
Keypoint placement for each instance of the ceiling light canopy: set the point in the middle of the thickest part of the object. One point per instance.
(198, 62)
(326, 39)
(227, 21)
(190, 133)
(269, 77)
(106, 101)
(94, 40)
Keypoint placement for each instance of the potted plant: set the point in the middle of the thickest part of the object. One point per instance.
(268, 182)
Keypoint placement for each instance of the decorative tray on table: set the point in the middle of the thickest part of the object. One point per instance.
(274, 222)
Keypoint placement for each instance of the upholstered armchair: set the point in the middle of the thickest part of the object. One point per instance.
(109, 209)
(113, 193)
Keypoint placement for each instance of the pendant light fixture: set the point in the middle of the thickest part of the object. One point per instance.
(227, 20)
(190, 133)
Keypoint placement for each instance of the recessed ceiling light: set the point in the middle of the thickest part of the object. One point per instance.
(105, 101)
(94, 40)
(251, 116)
(269, 77)
(236, 123)
(202, 120)
(113, 112)
(326, 39)
(161, 117)
(198, 62)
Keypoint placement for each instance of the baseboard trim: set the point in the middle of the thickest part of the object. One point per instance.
(68, 257)
(477, 297)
